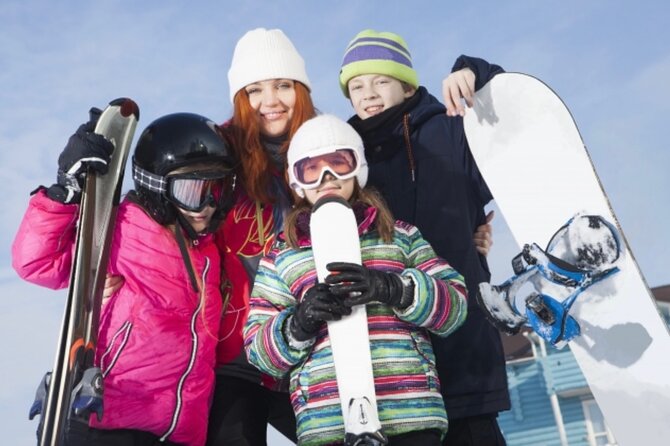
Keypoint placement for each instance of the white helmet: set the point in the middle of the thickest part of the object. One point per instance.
(322, 135)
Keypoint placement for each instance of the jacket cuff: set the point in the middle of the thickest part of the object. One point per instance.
(291, 340)
(483, 70)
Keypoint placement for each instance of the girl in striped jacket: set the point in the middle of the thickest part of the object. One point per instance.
(407, 289)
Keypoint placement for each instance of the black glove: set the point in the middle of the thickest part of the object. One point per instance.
(317, 306)
(83, 150)
(368, 285)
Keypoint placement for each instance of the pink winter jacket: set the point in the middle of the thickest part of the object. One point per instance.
(157, 336)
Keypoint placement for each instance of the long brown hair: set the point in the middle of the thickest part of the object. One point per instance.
(368, 196)
(246, 135)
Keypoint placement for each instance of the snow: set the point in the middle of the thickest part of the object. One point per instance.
(588, 242)
(496, 303)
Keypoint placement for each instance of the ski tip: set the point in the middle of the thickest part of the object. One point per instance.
(330, 199)
(127, 107)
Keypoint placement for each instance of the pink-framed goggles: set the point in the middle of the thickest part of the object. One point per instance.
(341, 163)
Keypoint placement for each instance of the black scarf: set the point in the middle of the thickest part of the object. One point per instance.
(279, 189)
(381, 121)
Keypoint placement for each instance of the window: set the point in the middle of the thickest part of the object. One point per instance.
(664, 308)
(598, 432)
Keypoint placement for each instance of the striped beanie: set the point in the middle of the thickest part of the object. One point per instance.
(263, 54)
(372, 52)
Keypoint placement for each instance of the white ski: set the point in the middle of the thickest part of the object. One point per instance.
(335, 239)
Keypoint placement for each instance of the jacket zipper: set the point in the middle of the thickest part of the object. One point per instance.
(194, 338)
(125, 331)
(408, 146)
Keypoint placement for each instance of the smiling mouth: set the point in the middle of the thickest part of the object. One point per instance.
(329, 188)
(374, 109)
(273, 116)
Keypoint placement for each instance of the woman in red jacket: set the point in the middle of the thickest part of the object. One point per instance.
(270, 92)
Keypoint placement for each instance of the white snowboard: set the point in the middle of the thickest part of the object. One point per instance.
(335, 239)
(531, 155)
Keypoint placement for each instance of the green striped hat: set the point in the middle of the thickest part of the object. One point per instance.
(372, 52)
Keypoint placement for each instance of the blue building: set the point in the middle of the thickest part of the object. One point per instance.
(551, 401)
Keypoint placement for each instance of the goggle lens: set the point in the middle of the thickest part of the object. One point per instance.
(194, 194)
(341, 163)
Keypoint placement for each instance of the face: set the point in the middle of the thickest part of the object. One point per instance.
(331, 186)
(199, 221)
(371, 94)
(274, 102)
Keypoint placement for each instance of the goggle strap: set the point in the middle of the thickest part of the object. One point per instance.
(148, 180)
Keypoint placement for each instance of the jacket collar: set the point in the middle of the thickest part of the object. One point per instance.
(389, 124)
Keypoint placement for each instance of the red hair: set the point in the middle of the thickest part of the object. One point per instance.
(246, 135)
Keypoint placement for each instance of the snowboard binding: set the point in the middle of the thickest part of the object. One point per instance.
(581, 253)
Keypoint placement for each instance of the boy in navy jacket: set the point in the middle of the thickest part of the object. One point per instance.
(420, 161)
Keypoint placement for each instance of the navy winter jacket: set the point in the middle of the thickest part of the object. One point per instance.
(420, 161)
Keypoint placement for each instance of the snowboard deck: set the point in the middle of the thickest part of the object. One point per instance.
(529, 151)
(74, 380)
(335, 238)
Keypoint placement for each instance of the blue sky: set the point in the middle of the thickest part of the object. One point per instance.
(608, 60)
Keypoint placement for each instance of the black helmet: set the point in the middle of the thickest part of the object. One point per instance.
(171, 142)
(178, 140)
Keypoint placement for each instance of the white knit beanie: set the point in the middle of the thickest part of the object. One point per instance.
(263, 54)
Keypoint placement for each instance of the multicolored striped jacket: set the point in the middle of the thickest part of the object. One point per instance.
(406, 382)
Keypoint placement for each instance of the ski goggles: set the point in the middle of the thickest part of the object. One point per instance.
(342, 164)
(193, 193)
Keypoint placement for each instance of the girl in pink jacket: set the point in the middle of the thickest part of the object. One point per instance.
(159, 331)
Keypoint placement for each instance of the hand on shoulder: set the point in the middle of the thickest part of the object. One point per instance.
(458, 88)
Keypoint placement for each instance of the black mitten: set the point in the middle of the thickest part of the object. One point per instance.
(360, 285)
(317, 306)
(85, 149)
